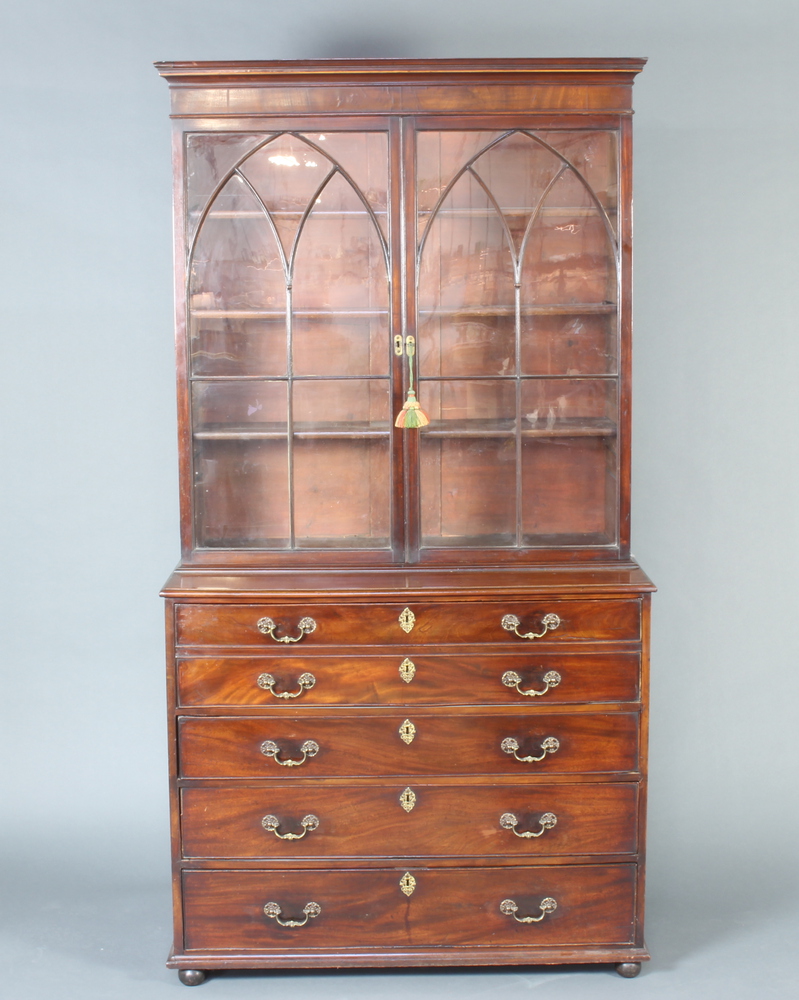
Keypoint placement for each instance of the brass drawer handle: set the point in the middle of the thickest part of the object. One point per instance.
(512, 680)
(511, 624)
(271, 824)
(547, 821)
(306, 682)
(510, 909)
(273, 911)
(267, 627)
(511, 745)
(308, 749)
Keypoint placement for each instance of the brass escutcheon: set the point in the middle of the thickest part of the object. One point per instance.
(407, 620)
(407, 670)
(407, 884)
(407, 732)
(407, 799)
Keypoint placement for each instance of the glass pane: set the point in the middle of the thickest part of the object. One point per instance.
(569, 286)
(466, 288)
(517, 277)
(237, 290)
(364, 157)
(340, 289)
(518, 171)
(595, 156)
(226, 345)
(439, 157)
(341, 462)
(569, 461)
(569, 257)
(468, 463)
(241, 489)
(209, 158)
(286, 173)
(569, 342)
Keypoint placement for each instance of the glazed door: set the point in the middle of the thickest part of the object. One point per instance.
(312, 255)
(517, 292)
(289, 339)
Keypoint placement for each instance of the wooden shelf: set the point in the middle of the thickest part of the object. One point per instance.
(590, 427)
(555, 309)
(581, 211)
(467, 312)
(337, 432)
(296, 314)
(256, 213)
(436, 429)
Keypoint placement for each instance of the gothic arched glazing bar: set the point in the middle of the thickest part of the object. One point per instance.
(288, 256)
(235, 170)
(304, 218)
(358, 193)
(545, 145)
(448, 188)
(262, 205)
(591, 193)
(504, 222)
(218, 188)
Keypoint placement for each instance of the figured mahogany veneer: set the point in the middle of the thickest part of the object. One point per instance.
(376, 624)
(366, 909)
(443, 819)
(446, 679)
(442, 744)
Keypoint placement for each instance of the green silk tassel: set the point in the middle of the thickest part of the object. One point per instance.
(411, 415)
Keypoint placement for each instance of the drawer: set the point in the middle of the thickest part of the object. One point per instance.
(595, 905)
(354, 624)
(416, 820)
(393, 744)
(431, 679)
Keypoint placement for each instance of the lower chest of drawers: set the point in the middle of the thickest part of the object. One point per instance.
(412, 795)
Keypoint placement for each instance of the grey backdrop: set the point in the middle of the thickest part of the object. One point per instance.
(88, 469)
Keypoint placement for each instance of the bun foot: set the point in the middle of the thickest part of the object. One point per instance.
(629, 970)
(191, 977)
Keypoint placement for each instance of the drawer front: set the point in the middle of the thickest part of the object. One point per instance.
(352, 624)
(415, 820)
(388, 745)
(542, 678)
(595, 905)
